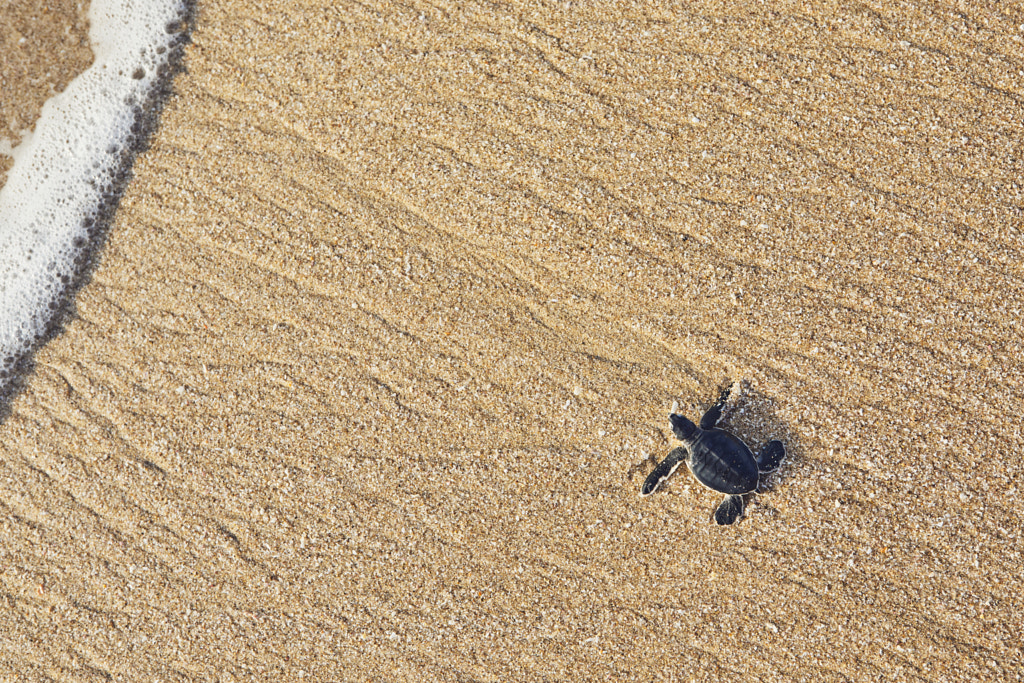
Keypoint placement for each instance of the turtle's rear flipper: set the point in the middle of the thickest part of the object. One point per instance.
(663, 471)
(730, 510)
(770, 457)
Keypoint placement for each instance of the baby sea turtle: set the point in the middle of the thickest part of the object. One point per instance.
(718, 459)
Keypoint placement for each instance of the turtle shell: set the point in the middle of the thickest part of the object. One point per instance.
(722, 462)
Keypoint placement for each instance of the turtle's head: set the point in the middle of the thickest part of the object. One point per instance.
(683, 428)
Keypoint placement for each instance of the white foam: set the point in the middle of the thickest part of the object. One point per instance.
(64, 175)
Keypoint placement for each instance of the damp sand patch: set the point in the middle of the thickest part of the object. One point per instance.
(43, 46)
(66, 176)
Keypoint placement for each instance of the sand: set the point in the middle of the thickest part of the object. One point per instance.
(384, 338)
(43, 45)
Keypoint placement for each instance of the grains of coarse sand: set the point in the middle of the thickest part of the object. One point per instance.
(386, 332)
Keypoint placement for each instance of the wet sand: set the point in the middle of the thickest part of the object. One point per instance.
(43, 45)
(386, 332)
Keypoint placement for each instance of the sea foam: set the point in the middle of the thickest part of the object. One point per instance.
(66, 175)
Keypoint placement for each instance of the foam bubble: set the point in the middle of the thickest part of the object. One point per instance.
(66, 176)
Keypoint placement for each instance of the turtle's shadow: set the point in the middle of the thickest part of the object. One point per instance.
(754, 418)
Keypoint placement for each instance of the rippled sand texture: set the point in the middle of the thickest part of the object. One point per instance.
(43, 45)
(395, 310)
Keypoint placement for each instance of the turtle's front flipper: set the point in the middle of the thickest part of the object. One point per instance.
(770, 457)
(663, 471)
(730, 510)
(714, 413)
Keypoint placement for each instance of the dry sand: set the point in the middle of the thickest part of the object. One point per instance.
(385, 336)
